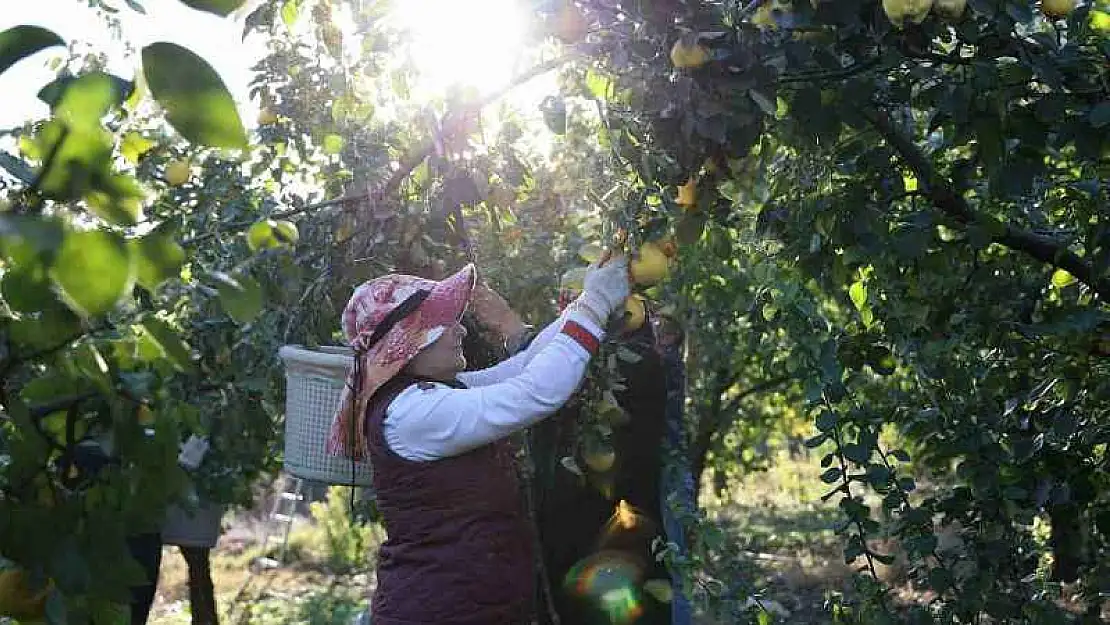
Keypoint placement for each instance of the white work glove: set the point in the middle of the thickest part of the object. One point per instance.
(192, 452)
(604, 290)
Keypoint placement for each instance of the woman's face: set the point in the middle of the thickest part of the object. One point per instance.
(443, 359)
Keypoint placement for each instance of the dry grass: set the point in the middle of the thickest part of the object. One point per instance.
(306, 589)
(786, 531)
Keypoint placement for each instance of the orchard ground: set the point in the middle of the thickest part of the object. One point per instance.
(777, 517)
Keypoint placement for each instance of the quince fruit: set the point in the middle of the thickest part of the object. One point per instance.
(688, 53)
(1057, 8)
(651, 266)
(635, 313)
(177, 173)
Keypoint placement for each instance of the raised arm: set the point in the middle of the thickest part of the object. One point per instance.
(438, 421)
(514, 365)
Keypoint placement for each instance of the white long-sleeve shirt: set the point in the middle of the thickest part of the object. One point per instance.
(433, 421)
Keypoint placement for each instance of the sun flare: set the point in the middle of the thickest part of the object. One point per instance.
(463, 43)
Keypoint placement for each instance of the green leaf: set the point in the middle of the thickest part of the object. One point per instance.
(241, 297)
(79, 155)
(262, 235)
(1061, 278)
(17, 167)
(52, 91)
(50, 386)
(922, 545)
(878, 476)
(93, 269)
(826, 421)
(134, 145)
(867, 316)
(333, 144)
(857, 453)
(196, 102)
(858, 293)
(816, 441)
(138, 91)
(68, 564)
(173, 346)
(831, 475)
(111, 613)
(22, 41)
(290, 11)
(158, 256)
(116, 198)
(852, 551)
(1021, 12)
(27, 290)
(598, 85)
(85, 100)
(42, 330)
(223, 8)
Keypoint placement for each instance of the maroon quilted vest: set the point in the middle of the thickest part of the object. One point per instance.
(459, 548)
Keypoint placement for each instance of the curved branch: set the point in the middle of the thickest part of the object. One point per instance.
(940, 192)
(764, 386)
(839, 74)
(409, 163)
(424, 150)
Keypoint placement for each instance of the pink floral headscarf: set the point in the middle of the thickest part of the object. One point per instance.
(369, 305)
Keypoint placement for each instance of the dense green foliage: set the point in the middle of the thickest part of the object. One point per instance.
(899, 234)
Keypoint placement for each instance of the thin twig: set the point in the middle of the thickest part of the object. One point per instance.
(840, 74)
(766, 385)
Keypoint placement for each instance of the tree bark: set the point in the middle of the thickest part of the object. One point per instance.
(707, 428)
(717, 416)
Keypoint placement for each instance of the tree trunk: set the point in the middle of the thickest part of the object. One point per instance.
(1066, 541)
(707, 428)
(714, 416)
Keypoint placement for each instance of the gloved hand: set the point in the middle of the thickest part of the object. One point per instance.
(192, 452)
(604, 289)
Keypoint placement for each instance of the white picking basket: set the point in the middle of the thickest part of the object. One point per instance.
(314, 380)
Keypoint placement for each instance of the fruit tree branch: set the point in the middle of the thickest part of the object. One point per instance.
(734, 403)
(940, 192)
(409, 163)
(416, 156)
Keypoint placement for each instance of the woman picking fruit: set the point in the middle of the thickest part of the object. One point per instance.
(459, 548)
